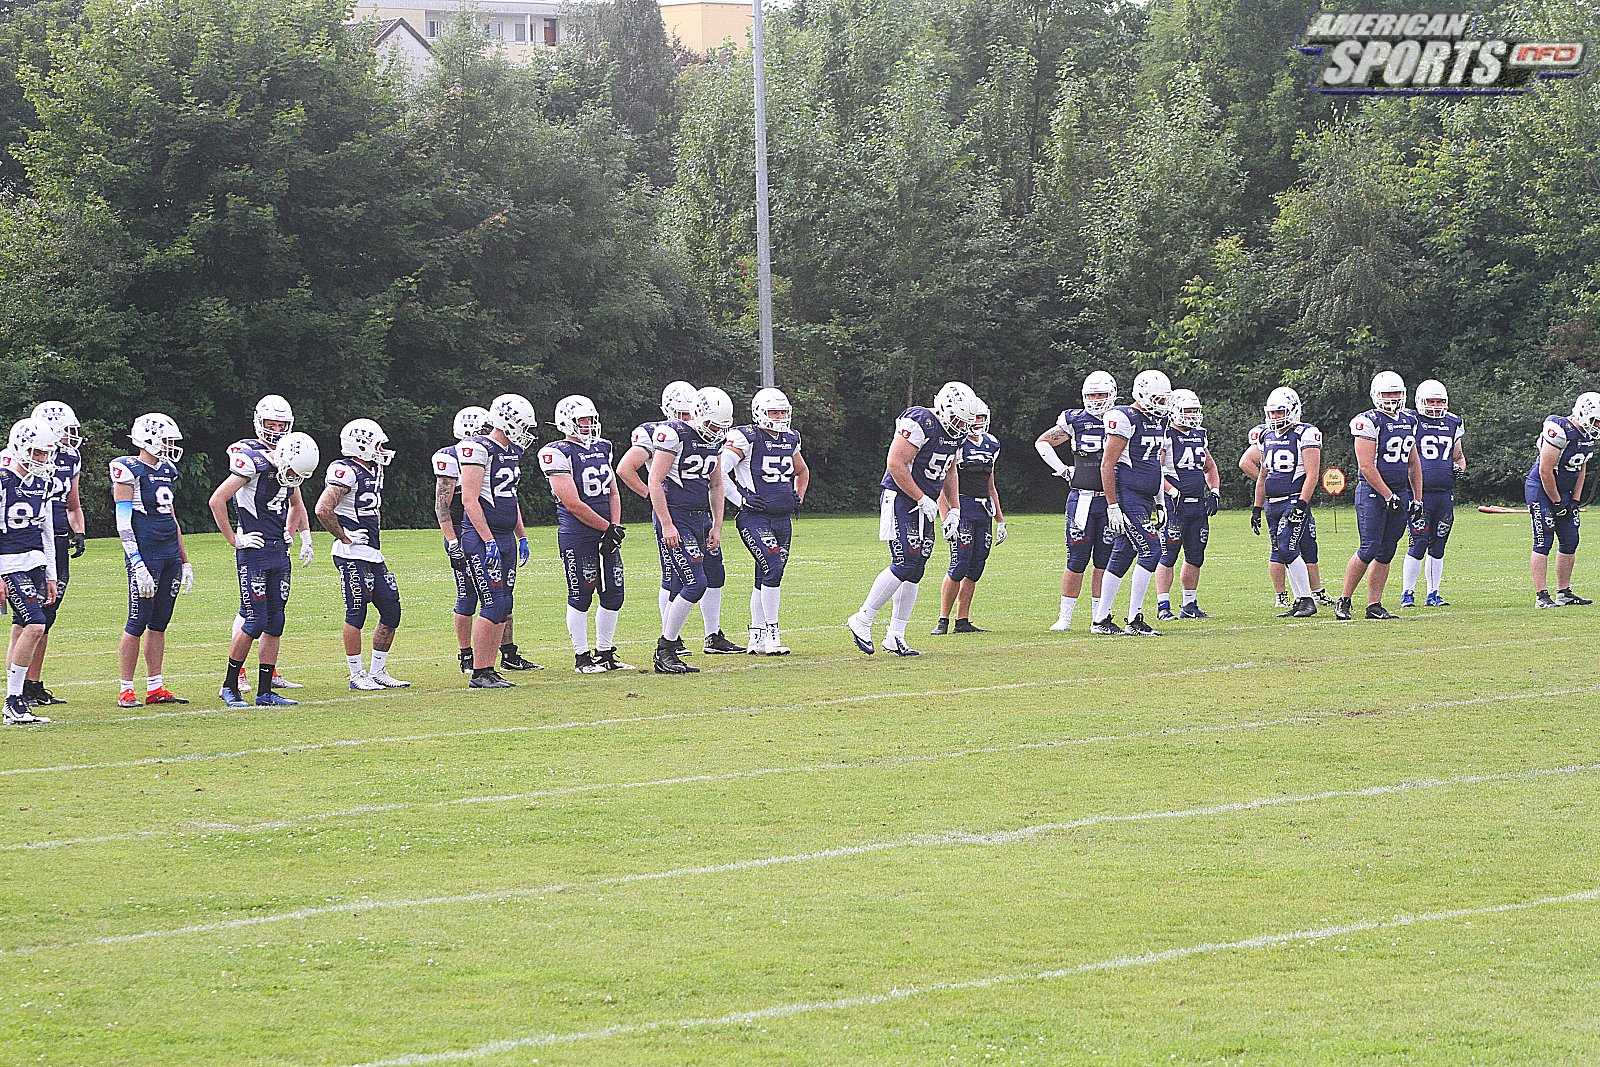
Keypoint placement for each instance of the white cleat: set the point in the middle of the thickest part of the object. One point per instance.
(758, 641)
(775, 645)
(1060, 625)
(861, 630)
(364, 682)
(388, 681)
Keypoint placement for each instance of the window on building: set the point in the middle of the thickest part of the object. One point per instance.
(497, 30)
(435, 28)
(519, 32)
(550, 32)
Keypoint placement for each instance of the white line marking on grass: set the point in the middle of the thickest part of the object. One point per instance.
(912, 841)
(898, 993)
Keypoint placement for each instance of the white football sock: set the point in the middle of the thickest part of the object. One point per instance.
(605, 628)
(711, 611)
(1137, 589)
(127, 683)
(1108, 596)
(883, 587)
(355, 664)
(1068, 605)
(663, 598)
(905, 599)
(15, 676)
(1094, 606)
(758, 611)
(380, 660)
(678, 610)
(771, 597)
(1299, 578)
(578, 628)
(1190, 596)
(1435, 573)
(152, 683)
(1410, 572)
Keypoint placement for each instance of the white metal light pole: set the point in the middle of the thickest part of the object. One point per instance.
(763, 208)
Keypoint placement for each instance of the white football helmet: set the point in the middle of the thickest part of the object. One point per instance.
(956, 408)
(59, 413)
(33, 447)
(470, 421)
(571, 414)
(364, 439)
(1152, 391)
(1388, 392)
(1432, 399)
(158, 435)
(1099, 393)
(980, 421)
(512, 415)
(771, 410)
(273, 408)
(1282, 409)
(678, 400)
(296, 457)
(713, 414)
(1186, 413)
(1585, 412)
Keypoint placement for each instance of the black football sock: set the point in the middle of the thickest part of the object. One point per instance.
(231, 680)
(264, 673)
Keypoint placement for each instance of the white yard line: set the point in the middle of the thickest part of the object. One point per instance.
(899, 993)
(941, 839)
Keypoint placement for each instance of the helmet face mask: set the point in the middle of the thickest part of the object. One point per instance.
(158, 435)
(1283, 409)
(1186, 410)
(274, 419)
(577, 417)
(771, 410)
(512, 415)
(63, 419)
(33, 446)
(1099, 393)
(1152, 392)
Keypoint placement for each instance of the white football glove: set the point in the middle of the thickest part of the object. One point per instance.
(144, 581)
(186, 583)
(1065, 473)
(952, 524)
(1000, 533)
(929, 508)
(306, 549)
(248, 540)
(357, 536)
(1116, 519)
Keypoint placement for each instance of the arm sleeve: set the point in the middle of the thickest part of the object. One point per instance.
(730, 487)
(1050, 456)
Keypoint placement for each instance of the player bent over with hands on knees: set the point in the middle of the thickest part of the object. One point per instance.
(1131, 470)
(27, 553)
(589, 532)
(1088, 538)
(1554, 487)
(492, 536)
(263, 484)
(921, 482)
(1193, 497)
(1286, 479)
(765, 476)
(1444, 460)
(1388, 492)
(983, 526)
(351, 509)
(142, 489)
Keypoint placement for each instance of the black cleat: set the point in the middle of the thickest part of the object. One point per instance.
(38, 696)
(717, 644)
(964, 626)
(1303, 608)
(667, 661)
(464, 658)
(607, 658)
(1341, 609)
(511, 660)
(1378, 611)
(585, 663)
(1106, 628)
(1544, 600)
(1139, 628)
(898, 646)
(488, 678)
(680, 648)
(1568, 599)
(940, 628)
(1323, 599)
(17, 713)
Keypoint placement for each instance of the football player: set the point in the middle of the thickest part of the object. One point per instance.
(1286, 479)
(351, 509)
(492, 529)
(69, 542)
(1088, 539)
(263, 484)
(921, 487)
(1136, 452)
(142, 489)
(686, 494)
(765, 476)
(27, 553)
(1194, 496)
(1250, 464)
(1554, 487)
(1388, 490)
(589, 532)
(1444, 459)
(983, 525)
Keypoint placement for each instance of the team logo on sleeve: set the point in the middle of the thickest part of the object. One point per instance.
(1430, 53)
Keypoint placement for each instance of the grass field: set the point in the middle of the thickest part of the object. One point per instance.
(1249, 841)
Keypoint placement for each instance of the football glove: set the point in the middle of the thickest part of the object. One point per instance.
(491, 552)
(1000, 533)
(522, 551)
(611, 539)
(1213, 501)
(929, 509)
(248, 540)
(1458, 469)
(754, 504)
(186, 583)
(1393, 503)
(952, 524)
(1158, 515)
(1115, 519)
(1415, 512)
(1065, 473)
(307, 549)
(1255, 521)
(144, 581)
(458, 558)
(79, 544)
(1297, 512)
(1564, 509)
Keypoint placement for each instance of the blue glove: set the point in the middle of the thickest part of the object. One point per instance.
(522, 550)
(1213, 500)
(491, 552)
(754, 504)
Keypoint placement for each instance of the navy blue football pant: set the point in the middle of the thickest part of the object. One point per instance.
(1088, 537)
(912, 542)
(264, 595)
(366, 583)
(974, 540)
(153, 613)
(1438, 514)
(1142, 542)
(466, 588)
(25, 594)
(1379, 528)
(1187, 531)
(1289, 540)
(685, 567)
(767, 537)
(63, 571)
(496, 581)
(1548, 531)
(588, 571)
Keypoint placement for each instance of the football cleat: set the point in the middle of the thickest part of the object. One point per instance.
(1283, 599)
(1341, 610)
(127, 699)
(964, 626)
(1323, 599)
(717, 644)
(464, 658)
(1303, 608)
(388, 681)
(244, 682)
(1568, 599)
(757, 645)
(232, 699)
(1408, 599)
(607, 658)
(280, 682)
(1139, 628)
(162, 696)
(1378, 611)
(360, 681)
(1060, 625)
(489, 678)
(585, 663)
(41, 697)
(898, 646)
(1192, 610)
(775, 645)
(679, 647)
(940, 628)
(1437, 600)
(17, 713)
(861, 630)
(1544, 600)
(511, 660)
(1106, 628)
(1164, 613)
(273, 700)
(666, 660)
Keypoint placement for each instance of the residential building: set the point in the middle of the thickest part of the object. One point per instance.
(705, 25)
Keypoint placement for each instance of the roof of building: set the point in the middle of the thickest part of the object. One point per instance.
(389, 27)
